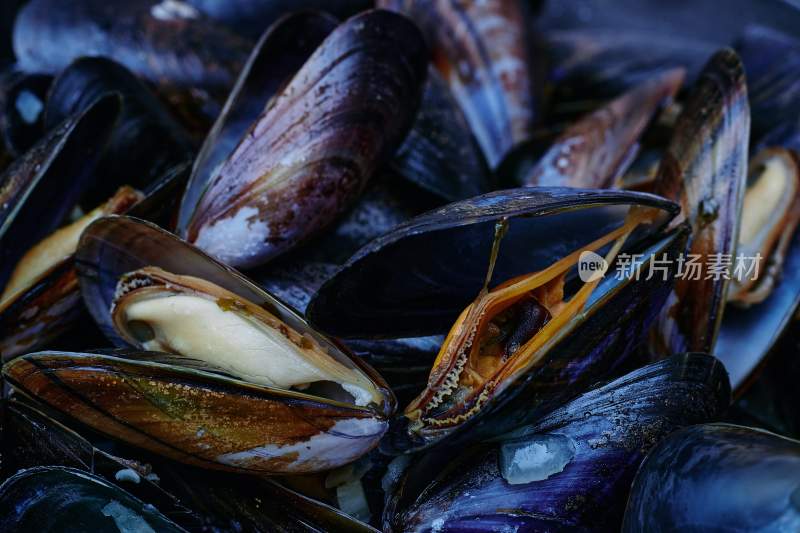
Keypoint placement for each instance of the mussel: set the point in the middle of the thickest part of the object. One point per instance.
(138, 153)
(41, 298)
(484, 51)
(569, 471)
(720, 477)
(309, 153)
(193, 498)
(526, 337)
(743, 239)
(597, 149)
(167, 42)
(705, 168)
(58, 499)
(246, 383)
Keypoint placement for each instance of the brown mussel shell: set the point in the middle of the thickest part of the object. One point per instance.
(191, 497)
(705, 169)
(195, 416)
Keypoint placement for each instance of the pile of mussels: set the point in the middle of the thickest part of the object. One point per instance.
(412, 189)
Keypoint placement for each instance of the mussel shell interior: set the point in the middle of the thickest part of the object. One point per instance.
(746, 335)
(415, 280)
(40, 188)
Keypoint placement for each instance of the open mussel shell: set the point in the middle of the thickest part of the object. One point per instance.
(280, 52)
(570, 470)
(468, 398)
(39, 189)
(416, 279)
(729, 478)
(65, 499)
(22, 102)
(483, 52)
(139, 157)
(763, 302)
(598, 148)
(705, 169)
(165, 42)
(420, 272)
(440, 154)
(304, 427)
(146, 144)
(311, 152)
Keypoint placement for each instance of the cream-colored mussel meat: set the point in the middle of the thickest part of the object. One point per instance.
(189, 316)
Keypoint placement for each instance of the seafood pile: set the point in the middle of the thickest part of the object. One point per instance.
(402, 266)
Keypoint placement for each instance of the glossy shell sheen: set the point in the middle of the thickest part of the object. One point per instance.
(737, 478)
(277, 56)
(197, 417)
(193, 498)
(483, 52)
(311, 152)
(705, 169)
(572, 469)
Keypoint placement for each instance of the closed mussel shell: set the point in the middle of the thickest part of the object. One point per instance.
(65, 499)
(311, 152)
(483, 51)
(280, 52)
(705, 169)
(732, 477)
(598, 148)
(570, 470)
(165, 42)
